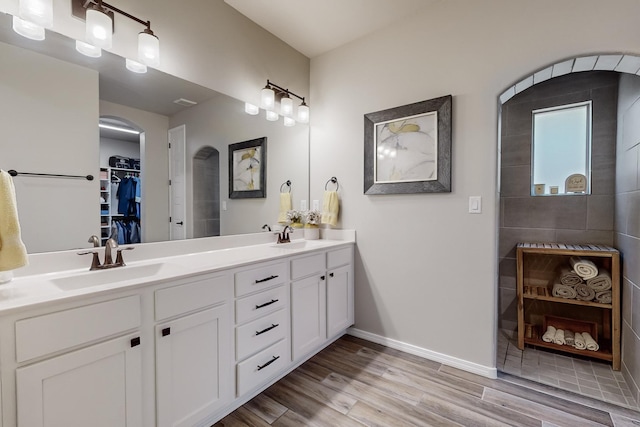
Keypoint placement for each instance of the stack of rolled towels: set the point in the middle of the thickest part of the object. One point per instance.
(579, 340)
(583, 281)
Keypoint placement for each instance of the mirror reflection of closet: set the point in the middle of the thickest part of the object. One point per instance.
(120, 180)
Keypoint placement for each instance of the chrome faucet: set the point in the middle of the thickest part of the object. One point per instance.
(283, 237)
(108, 258)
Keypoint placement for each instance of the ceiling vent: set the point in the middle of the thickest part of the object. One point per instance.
(185, 102)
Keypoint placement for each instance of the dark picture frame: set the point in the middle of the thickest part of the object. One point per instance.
(407, 149)
(248, 169)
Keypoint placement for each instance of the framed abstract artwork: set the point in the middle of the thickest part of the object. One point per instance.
(408, 149)
(248, 169)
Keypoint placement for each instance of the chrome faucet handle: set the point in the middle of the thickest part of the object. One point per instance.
(94, 239)
(95, 261)
(119, 259)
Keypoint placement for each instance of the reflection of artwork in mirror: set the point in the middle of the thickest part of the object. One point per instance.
(247, 169)
(561, 148)
(407, 149)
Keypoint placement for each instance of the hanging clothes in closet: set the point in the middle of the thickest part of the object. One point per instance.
(129, 196)
(126, 231)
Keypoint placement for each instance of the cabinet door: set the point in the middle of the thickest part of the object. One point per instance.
(193, 367)
(339, 300)
(96, 386)
(308, 314)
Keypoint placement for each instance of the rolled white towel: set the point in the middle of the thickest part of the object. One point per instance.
(569, 337)
(563, 291)
(602, 282)
(583, 267)
(579, 342)
(559, 337)
(603, 297)
(550, 334)
(590, 342)
(584, 292)
(569, 277)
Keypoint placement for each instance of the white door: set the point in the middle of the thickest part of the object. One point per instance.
(339, 300)
(308, 315)
(177, 183)
(98, 386)
(194, 365)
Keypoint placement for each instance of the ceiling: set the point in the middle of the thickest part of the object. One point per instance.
(314, 27)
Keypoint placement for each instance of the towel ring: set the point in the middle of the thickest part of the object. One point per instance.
(288, 184)
(333, 180)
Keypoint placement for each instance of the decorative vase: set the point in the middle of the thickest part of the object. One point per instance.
(297, 225)
(311, 232)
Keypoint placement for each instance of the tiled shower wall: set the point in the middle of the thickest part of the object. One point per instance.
(206, 193)
(567, 219)
(627, 223)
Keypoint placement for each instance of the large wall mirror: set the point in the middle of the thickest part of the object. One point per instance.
(53, 99)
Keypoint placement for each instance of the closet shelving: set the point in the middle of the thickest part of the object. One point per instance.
(109, 211)
(537, 268)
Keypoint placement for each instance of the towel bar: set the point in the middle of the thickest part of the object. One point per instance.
(334, 180)
(13, 172)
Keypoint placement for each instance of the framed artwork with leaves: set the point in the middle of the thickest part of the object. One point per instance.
(248, 169)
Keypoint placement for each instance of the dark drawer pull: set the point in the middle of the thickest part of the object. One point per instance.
(166, 331)
(268, 329)
(330, 274)
(273, 301)
(135, 342)
(266, 279)
(322, 277)
(268, 363)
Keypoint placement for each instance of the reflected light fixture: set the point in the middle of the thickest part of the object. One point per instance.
(38, 12)
(88, 49)
(28, 29)
(268, 97)
(99, 27)
(135, 66)
(119, 129)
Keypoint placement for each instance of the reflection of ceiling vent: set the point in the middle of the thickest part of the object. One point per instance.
(184, 102)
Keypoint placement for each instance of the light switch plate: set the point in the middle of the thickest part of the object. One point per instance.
(475, 204)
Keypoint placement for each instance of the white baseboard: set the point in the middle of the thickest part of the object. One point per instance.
(465, 365)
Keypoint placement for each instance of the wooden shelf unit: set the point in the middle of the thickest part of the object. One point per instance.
(538, 265)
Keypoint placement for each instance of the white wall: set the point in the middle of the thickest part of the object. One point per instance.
(426, 269)
(61, 121)
(222, 121)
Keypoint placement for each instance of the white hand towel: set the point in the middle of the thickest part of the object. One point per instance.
(285, 206)
(590, 343)
(330, 208)
(559, 338)
(602, 282)
(603, 297)
(585, 268)
(569, 277)
(550, 334)
(579, 342)
(563, 291)
(13, 253)
(584, 292)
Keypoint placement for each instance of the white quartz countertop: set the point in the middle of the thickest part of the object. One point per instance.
(37, 289)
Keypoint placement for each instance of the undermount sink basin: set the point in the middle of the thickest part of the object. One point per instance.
(292, 245)
(104, 277)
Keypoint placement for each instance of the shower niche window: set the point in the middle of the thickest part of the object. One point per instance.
(561, 150)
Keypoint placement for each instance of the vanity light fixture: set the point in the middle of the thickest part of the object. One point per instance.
(28, 29)
(135, 66)
(268, 97)
(99, 27)
(88, 49)
(38, 12)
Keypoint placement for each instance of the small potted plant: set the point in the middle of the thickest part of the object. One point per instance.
(312, 221)
(294, 218)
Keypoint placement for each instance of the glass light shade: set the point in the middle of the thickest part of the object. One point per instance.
(135, 66)
(148, 49)
(267, 99)
(99, 29)
(303, 113)
(28, 29)
(88, 50)
(288, 121)
(286, 106)
(251, 109)
(39, 12)
(272, 116)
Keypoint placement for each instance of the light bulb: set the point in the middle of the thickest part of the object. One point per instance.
(148, 48)
(251, 109)
(286, 106)
(88, 50)
(38, 12)
(288, 121)
(272, 116)
(99, 29)
(135, 66)
(303, 113)
(28, 29)
(267, 98)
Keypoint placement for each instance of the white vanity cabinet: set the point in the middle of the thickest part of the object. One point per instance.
(194, 356)
(340, 291)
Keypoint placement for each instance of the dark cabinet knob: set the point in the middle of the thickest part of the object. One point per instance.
(135, 342)
(166, 331)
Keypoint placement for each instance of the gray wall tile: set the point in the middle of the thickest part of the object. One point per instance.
(509, 237)
(627, 298)
(516, 181)
(600, 212)
(568, 212)
(621, 212)
(633, 214)
(585, 236)
(629, 248)
(627, 170)
(516, 150)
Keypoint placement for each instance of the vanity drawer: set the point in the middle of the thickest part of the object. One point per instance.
(265, 302)
(261, 333)
(53, 332)
(302, 267)
(338, 257)
(263, 366)
(192, 296)
(255, 279)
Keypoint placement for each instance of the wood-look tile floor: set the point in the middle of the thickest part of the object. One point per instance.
(354, 382)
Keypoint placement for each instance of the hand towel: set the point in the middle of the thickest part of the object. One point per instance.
(585, 268)
(590, 343)
(579, 342)
(285, 206)
(330, 208)
(563, 291)
(603, 297)
(602, 282)
(569, 277)
(550, 334)
(559, 337)
(569, 337)
(584, 292)
(13, 253)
